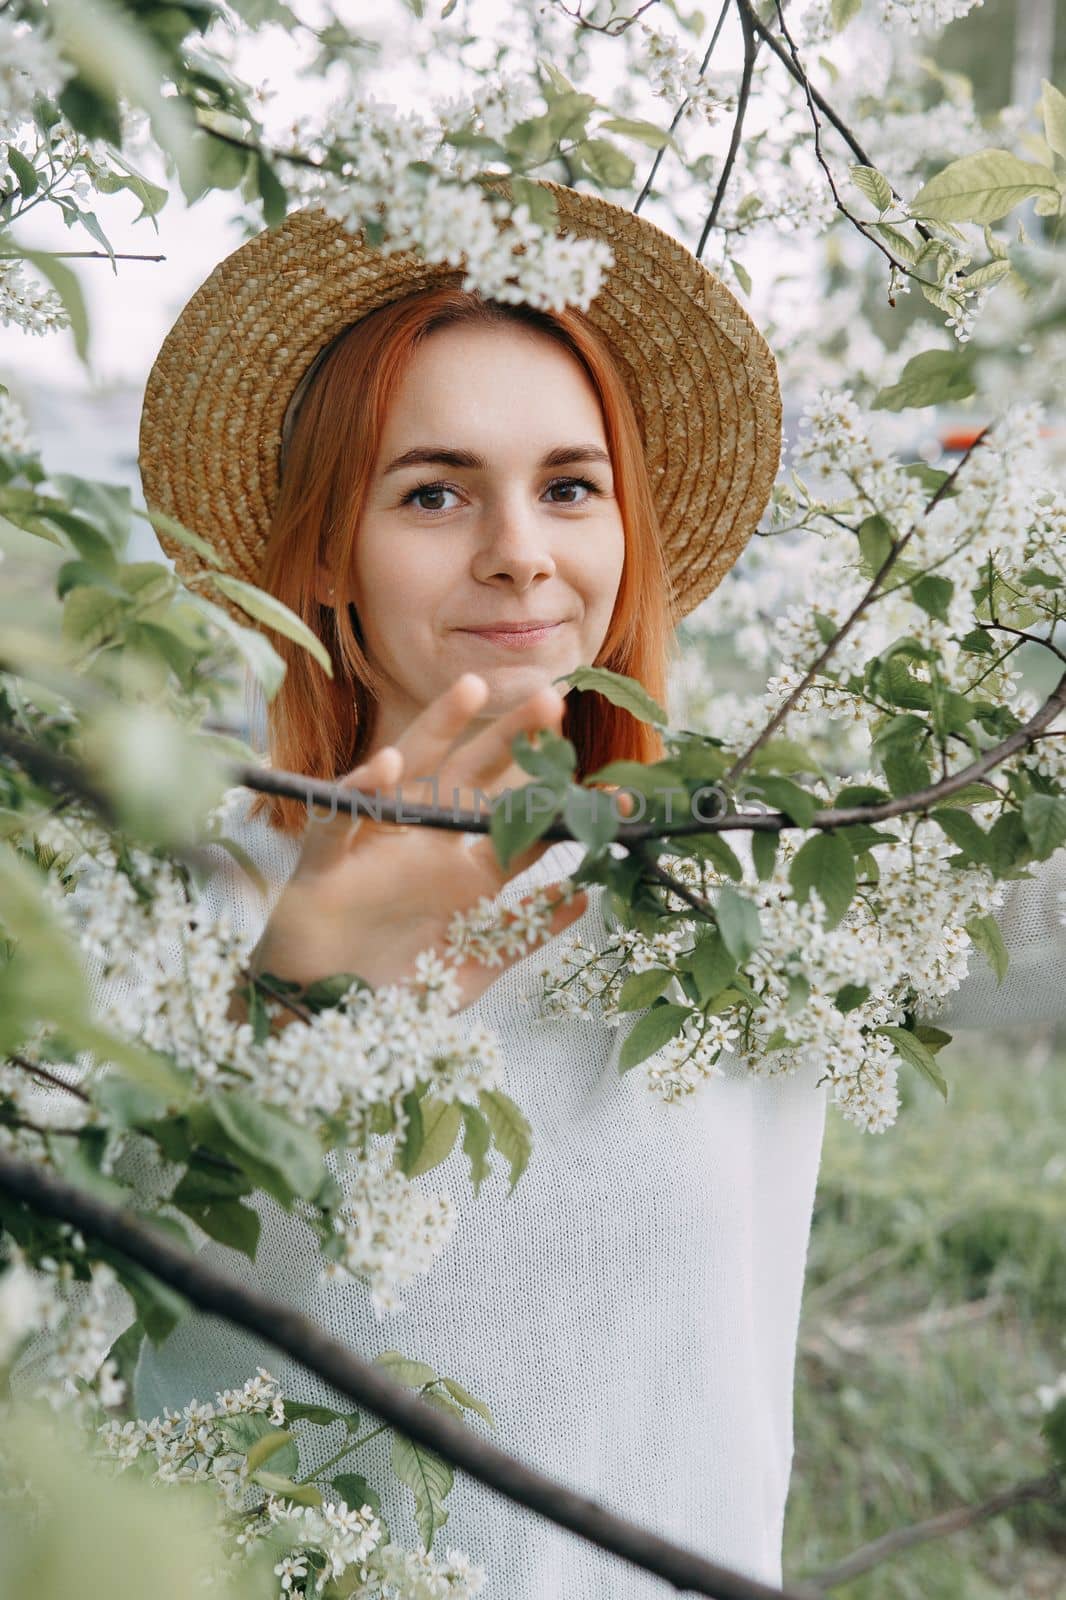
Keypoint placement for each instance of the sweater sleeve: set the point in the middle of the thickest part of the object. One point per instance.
(1033, 990)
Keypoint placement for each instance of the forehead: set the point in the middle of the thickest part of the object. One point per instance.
(505, 383)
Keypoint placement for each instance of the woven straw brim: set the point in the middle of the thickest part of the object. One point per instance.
(701, 378)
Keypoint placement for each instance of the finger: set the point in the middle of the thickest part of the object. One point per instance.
(377, 777)
(623, 799)
(426, 741)
(488, 755)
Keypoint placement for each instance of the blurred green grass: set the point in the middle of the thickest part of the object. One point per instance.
(935, 1304)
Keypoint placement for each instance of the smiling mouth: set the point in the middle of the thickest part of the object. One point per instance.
(515, 637)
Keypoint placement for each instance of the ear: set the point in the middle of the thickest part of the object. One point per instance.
(325, 587)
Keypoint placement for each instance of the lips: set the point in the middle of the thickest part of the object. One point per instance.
(515, 636)
(512, 627)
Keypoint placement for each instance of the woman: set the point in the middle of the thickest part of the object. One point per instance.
(408, 468)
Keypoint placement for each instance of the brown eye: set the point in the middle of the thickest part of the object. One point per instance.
(575, 483)
(427, 489)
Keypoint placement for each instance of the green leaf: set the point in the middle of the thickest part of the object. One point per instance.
(301, 1494)
(764, 852)
(706, 847)
(711, 964)
(825, 863)
(991, 273)
(641, 988)
(784, 756)
(911, 1049)
(610, 167)
(799, 805)
(648, 133)
(876, 540)
(477, 1139)
(520, 816)
(988, 937)
(271, 192)
(255, 649)
(874, 186)
(743, 275)
(320, 1416)
(268, 1446)
(620, 690)
(272, 1138)
(649, 1033)
(511, 1132)
(842, 11)
(356, 1493)
(152, 197)
(906, 770)
(265, 608)
(540, 201)
(964, 831)
(24, 171)
(933, 377)
(591, 816)
(981, 187)
(226, 1221)
(1053, 105)
(440, 1124)
(401, 1369)
(441, 1402)
(900, 243)
(467, 1400)
(934, 1038)
(429, 1478)
(162, 522)
(1044, 816)
(850, 996)
(552, 760)
(934, 594)
(738, 923)
(414, 1134)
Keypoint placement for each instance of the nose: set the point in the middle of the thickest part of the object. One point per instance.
(515, 543)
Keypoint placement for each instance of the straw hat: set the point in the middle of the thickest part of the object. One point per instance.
(702, 380)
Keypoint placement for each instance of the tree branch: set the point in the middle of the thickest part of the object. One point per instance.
(290, 1331)
(1049, 1487)
(751, 50)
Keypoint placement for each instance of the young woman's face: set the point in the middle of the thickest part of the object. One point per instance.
(491, 502)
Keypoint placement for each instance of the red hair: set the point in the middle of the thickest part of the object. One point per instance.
(321, 727)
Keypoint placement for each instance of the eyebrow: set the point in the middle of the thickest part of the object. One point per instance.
(442, 455)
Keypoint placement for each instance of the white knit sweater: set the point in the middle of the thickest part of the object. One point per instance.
(630, 1313)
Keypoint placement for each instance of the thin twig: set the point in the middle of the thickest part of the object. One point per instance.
(682, 108)
(104, 255)
(751, 50)
(819, 100)
(846, 626)
(607, 27)
(291, 1332)
(37, 1071)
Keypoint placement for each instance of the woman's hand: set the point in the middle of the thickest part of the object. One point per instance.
(368, 899)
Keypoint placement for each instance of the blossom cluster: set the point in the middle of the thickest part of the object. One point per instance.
(71, 1319)
(391, 1232)
(674, 74)
(906, 944)
(375, 175)
(165, 973)
(209, 1442)
(30, 65)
